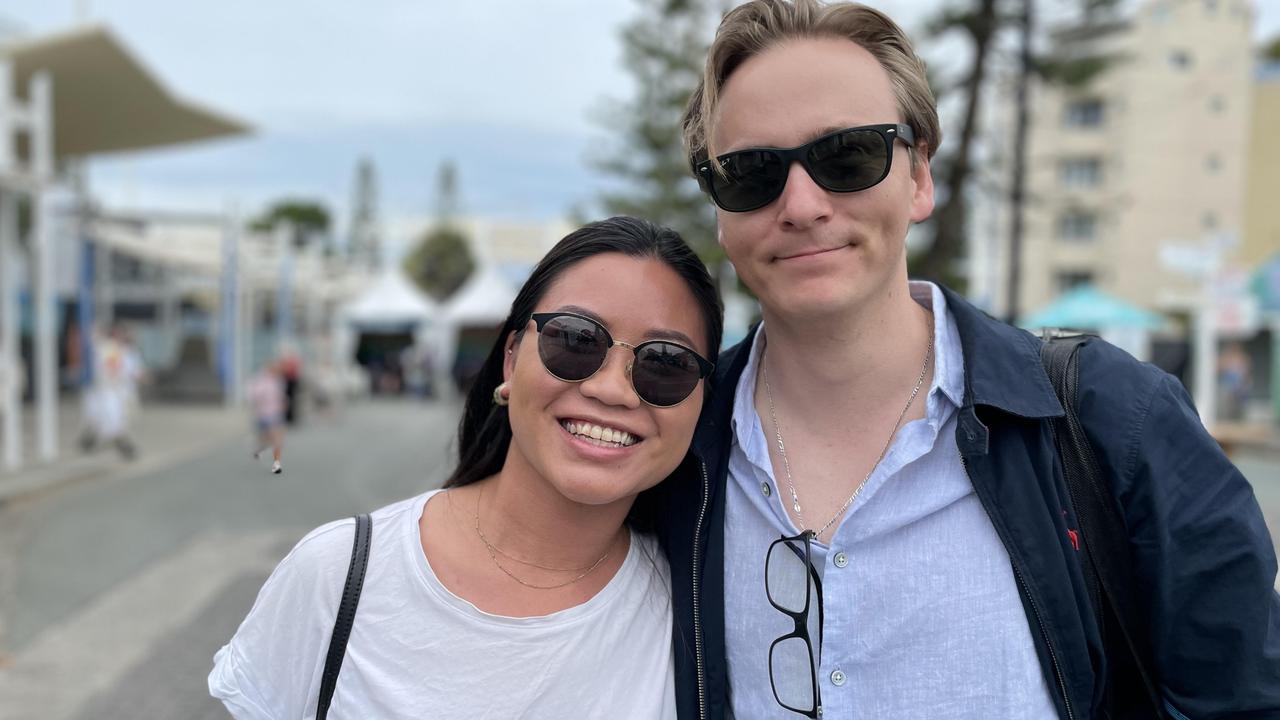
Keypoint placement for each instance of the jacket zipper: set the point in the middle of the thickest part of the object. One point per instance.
(697, 613)
(1035, 610)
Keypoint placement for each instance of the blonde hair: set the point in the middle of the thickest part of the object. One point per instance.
(758, 25)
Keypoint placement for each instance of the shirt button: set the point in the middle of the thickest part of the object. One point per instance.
(837, 678)
(764, 488)
(841, 560)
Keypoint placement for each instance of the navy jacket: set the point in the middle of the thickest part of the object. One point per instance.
(1201, 550)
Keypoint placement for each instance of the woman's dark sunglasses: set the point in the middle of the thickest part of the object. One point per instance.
(844, 161)
(573, 348)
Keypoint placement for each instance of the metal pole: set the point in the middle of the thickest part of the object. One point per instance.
(229, 344)
(46, 334)
(284, 293)
(11, 401)
(10, 378)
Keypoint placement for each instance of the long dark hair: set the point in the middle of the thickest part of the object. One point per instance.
(484, 433)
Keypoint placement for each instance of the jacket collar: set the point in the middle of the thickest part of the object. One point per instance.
(717, 412)
(1002, 367)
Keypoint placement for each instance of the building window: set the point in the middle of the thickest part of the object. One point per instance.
(1213, 163)
(1068, 280)
(1080, 172)
(1180, 59)
(1077, 226)
(1083, 114)
(1209, 221)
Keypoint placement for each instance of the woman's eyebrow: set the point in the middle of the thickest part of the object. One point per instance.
(651, 334)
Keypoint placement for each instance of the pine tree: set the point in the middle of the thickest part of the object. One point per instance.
(663, 49)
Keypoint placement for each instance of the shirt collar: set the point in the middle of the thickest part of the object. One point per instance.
(948, 365)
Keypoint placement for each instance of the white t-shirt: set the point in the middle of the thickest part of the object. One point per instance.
(419, 651)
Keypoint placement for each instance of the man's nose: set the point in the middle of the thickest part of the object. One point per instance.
(803, 202)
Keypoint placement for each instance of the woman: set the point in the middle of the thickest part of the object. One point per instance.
(519, 590)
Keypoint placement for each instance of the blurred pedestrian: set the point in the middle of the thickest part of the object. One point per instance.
(267, 400)
(112, 399)
(1235, 381)
(290, 370)
(524, 576)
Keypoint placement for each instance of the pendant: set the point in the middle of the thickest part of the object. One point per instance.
(796, 506)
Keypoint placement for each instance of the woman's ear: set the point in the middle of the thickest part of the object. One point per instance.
(509, 361)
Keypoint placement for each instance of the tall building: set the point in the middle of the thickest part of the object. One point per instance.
(1262, 212)
(1150, 154)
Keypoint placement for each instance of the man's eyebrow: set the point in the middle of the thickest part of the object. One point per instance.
(651, 334)
(808, 138)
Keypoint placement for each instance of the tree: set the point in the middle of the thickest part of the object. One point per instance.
(663, 50)
(306, 219)
(980, 24)
(364, 241)
(441, 261)
(986, 25)
(1271, 49)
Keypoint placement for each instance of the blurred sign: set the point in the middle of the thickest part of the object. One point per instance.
(1236, 308)
(1197, 261)
(1266, 285)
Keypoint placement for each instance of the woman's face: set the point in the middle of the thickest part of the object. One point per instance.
(635, 299)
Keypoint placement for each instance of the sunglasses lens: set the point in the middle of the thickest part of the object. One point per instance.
(664, 373)
(849, 161)
(572, 348)
(750, 179)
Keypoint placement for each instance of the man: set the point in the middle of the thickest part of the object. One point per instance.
(910, 434)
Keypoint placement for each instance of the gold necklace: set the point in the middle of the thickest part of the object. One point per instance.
(494, 552)
(782, 451)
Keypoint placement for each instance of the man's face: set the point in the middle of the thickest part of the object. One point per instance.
(811, 252)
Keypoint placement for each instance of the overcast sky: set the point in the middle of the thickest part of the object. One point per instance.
(506, 88)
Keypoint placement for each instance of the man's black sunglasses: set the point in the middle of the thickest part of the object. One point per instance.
(844, 161)
(573, 348)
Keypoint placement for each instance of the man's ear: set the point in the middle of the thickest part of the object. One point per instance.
(922, 185)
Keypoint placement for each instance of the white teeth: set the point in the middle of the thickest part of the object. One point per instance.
(602, 436)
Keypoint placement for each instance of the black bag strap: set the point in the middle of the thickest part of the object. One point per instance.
(346, 613)
(1106, 561)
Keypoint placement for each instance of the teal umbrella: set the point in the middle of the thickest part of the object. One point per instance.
(1266, 284)
(1087, 308)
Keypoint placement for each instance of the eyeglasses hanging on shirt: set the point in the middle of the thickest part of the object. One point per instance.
(794, 588)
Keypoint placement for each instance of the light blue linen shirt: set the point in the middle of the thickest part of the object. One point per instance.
(922, 614)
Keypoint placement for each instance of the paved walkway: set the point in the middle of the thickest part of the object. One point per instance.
(164, 434)
(115, 593)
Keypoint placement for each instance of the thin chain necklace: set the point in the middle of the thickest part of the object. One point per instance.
(782, 450)
(494, 552)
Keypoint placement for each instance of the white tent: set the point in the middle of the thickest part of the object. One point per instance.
(484, 299)
(391, 302)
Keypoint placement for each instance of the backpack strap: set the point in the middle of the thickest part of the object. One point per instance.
(346, 613)
(1106, 563)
